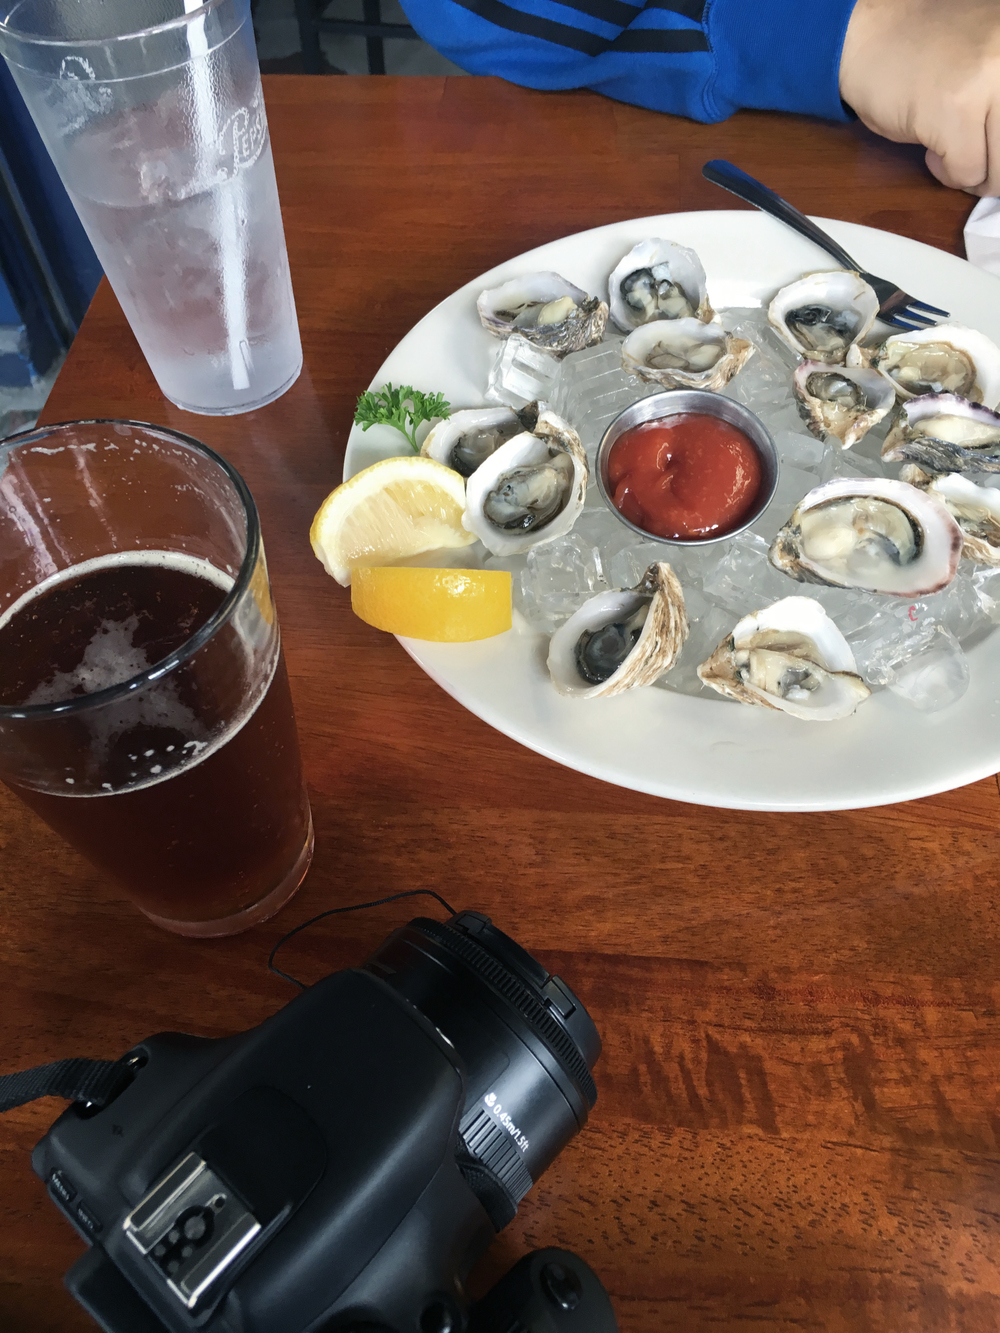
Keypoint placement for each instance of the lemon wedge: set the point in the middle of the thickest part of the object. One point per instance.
(444, 605)
(393, 509)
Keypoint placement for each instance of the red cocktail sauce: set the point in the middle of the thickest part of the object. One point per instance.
(685, 476)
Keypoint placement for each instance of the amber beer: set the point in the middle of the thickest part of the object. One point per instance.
(186, 790)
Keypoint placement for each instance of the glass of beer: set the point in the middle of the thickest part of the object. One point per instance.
(145, 713)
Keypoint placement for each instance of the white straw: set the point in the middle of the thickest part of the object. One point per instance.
(231, 246)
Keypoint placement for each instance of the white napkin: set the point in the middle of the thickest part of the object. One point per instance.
(982, 235)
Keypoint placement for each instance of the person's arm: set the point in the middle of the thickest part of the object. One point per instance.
(928, 72)
(698, 58)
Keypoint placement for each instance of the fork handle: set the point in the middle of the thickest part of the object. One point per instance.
(731, 178)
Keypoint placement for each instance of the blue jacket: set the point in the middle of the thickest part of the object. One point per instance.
(698, 58)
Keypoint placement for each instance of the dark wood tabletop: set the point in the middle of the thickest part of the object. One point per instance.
(798, 1121)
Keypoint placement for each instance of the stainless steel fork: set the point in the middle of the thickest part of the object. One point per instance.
(895, 306)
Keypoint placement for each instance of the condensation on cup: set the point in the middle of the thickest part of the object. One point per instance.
(153, 113)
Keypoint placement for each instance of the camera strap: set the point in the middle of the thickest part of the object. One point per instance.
(94, 1082)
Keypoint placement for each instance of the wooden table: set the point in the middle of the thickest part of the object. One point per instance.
(798, 1124)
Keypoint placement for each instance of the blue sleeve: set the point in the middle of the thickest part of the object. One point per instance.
(698, 58)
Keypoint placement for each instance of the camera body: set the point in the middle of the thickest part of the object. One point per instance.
(343, 1165)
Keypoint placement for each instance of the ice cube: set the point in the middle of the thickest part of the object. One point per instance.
(850, 463)
(752, 322)
(521, 373)
(559, 576)
(933, 676)
(600, 526)
(852, 610)
(958, 607)
(801, 450)
(708, 625)
(891, 638)
(919, 659)
(527, 606)
(986, 582)
(626, 563)
(744, 580)
(591, 389)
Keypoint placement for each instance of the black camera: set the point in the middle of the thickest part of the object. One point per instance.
(341, 1167)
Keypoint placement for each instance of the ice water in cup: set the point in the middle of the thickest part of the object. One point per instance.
(153, 113)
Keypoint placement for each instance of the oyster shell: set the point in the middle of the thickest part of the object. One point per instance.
(618, 640)
(684, 354)
(658, 280)
(945, 433)
(948, 358)
(822, 314)
(792, 657)
(546, 309)
(467, 438)
(859, 532)
(530, 490)
(975, 508)
(843, 401)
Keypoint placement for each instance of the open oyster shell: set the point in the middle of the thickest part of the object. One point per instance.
(546, 309)
(464, 440)
(530, 491)
(792, 657)
(945, 433)
(948, 358)
(843, 401)
(975, 508)
(823, 314)
(618, 640)
(684, 354)
(873, 533)
(658, 280)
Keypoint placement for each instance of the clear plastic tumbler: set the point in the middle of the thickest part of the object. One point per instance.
(153, 113)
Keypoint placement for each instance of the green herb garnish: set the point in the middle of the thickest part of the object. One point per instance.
(404, 409)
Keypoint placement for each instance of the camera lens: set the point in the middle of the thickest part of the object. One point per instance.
(527, 1043)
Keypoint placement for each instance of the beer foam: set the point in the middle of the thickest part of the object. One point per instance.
(109, 659)
(179, 560)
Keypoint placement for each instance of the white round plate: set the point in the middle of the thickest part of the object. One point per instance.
(704, 750)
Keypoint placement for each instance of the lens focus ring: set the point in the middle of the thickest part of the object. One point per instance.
(517, 994)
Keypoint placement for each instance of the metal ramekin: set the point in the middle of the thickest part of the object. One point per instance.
(669, 404)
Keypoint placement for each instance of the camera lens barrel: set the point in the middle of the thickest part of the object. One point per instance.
(527, 1042)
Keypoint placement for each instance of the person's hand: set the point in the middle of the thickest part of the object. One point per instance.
(928, 72)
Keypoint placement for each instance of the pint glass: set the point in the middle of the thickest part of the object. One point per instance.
(145, 712)
(153, 114)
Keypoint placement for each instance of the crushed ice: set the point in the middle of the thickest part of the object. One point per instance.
(914, 649)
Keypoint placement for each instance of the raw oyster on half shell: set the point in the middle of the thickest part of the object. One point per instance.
(792, 657)
(942, 432)
(823, 314)
(843, 401)
(531, 490)
(976, 509)
(948, 358)
(546, 309)
(873, 533)
(684, 354)
(619, 640)
(467, 438)
(658, 280)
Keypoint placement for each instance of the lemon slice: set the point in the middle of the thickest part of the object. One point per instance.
(393, 509)
(445, 605)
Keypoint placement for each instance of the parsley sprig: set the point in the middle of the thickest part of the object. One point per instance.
(404, 409)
